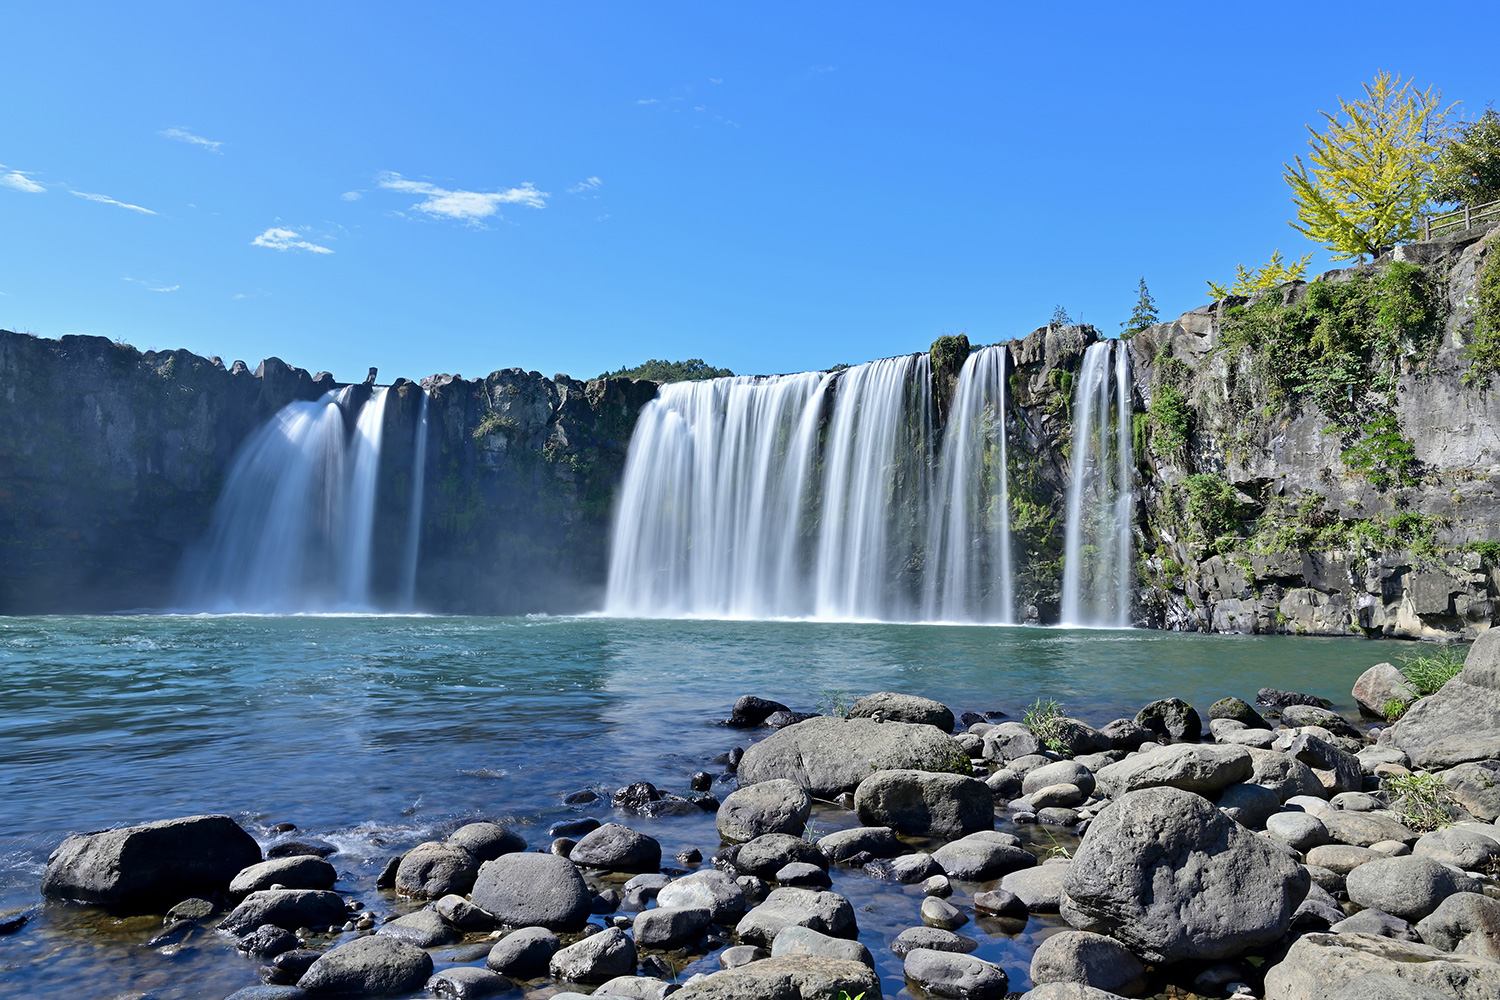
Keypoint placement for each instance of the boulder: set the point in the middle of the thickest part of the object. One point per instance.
(935, 938)
(302, 872)
(907, 869)
(954, 976)
(750, 711)
(766, 855)
(1297, 830)
(1460, 723)
(467, 983)
(1010, 741)
(828, 756)
(533, 890)
(980, 858)
(633, 988)
(1467, 923)
(372, 966)
(875, 841)
(903, 708)
(1248, 804)
(524, 953)
(1151, 870)
(800, 873)
(1075, 737)
(1410, 887)
(1064, 772)
(1205, 769)
(1068, 991)
(267, 941)
(1274, 698)
(789, 977)
(434, 869)
(940, 913)
(1319, 966)
(1376, 922)
(617, 848)
(1238, 710)
(1171, 719)
(924, 802)
(1383, 986)
(1460, 847)
(1127, 734)
(806, 941)
(825, 912)
(1039, 888)
(709, 889)
(1362, 829)
(1336, 769)
(1377, 687)
(668, 927)
(1476, 787)
(776, 806)
(424, 928)
(487, 841)
(1301, 716)
(463, 914)
(288, 908)
(595, 959)
(1286, 776)
(1341, 859)
(1000, 903)
(136, 869)
(1090, 960)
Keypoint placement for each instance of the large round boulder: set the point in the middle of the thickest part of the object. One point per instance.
(894, 707)
(487, 841)
(369, 966)
(1089, 959)
(596, 959)
(1171, 877)
(141, 868)
(299, 872)
(1202, 768)
(708, 889)
(1319, 966)
(1408, 887)
(533, 890)
(433, 869)
(776, 806)
(787, 977)
(954, 976)
(1171, 719)
(825, 912)
(286, 908)
(617, 848)
(924, 802)
(828, 756)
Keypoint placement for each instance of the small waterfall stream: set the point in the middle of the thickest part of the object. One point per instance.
(408, 595)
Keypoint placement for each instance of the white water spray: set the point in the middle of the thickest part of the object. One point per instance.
(414, 524)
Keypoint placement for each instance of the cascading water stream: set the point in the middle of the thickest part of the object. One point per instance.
(969, 571)
(414, 524)
(1101, 498)
(360, 522)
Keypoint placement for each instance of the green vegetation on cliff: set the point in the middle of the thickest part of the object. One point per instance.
(1483, 352)
(692, 370)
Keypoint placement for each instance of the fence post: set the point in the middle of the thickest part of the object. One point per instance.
(1466, 217)
(1426, 228)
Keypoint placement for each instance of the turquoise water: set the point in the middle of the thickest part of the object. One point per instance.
(375, 733)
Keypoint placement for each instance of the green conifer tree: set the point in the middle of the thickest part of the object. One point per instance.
(1142, 316)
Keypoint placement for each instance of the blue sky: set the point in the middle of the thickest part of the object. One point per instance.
(572, 187)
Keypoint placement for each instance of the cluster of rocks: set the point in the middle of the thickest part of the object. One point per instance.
(1247, 860)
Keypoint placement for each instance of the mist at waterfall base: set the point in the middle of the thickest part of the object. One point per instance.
(831, 496)
(375, 733)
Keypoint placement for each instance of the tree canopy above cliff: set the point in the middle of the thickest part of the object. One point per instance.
(654, 370)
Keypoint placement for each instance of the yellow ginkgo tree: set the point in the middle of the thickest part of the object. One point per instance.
(1370, 167)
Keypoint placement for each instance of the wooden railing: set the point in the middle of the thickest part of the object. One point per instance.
(1460, 219)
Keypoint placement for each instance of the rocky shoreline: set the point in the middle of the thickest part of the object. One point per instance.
(1284, 853)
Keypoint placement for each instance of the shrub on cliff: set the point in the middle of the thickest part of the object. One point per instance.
(694, 369)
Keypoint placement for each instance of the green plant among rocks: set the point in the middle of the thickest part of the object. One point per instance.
(1420, 801)
(835, 702)
(1428, 672)
(1046, 720)
(1394, 709)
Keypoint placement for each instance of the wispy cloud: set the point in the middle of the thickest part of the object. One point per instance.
(816, 70)
(352, 195)
(586, 187)
(716, 79)
(648, 100)
(277, 238)
(148, 286)
(19, 180)
(183, 135)
(467, 206)
(105, 199)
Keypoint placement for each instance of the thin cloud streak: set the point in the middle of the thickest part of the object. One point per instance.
(181, 134)
(153, 288)
(466, 206)
(20, 180)
(105, 199)
(584, 187)
(277, 238)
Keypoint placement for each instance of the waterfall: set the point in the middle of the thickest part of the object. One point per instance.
(292, 529)
(414, 524)
(969, 570)
(730, 506)
(1098, 541)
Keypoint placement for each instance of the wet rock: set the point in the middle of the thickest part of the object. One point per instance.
(780, 720)
(806, 941)
(267, 941)
(435, 869)
(464, 915)
(942, 914)
(192, 908)
(1460, 847)
(714, 891)
(1376, 922)
(140, 868)
(1410, 888)
(903, 708)
(789, 977)
(876, 841)
(525, 890)
(1465, 922)
(617, 848)
(1204, 769)
(374, 966)
(424, 928)
(764, 856)
(1090, 960)
(776, 806)
(288, 908)
(750, 711)
(595, 959)
(924, 802)
(828, 756)
(302, 872)
(582, 797)
(387, 877)
(1248, 804)
(907, 869)
(1273, 698)
(1239, 711)
(1000, 903)
(301, 848)
(636, 796)
(523, 953)
(562, 847)
(290, 966)
(1172, 719)
(487, 841)
(826, 912)
(933, 938)
(1004, 784)
(799, 873)
(1320, 965)
(267, 993)
(668, 927)
(1138, 875)
(955, 976)
(467, 983)
(1040, 888)
(981, 857)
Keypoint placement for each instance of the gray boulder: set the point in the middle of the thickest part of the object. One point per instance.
(954, 976)
(523, 953)
(750, 710)
(1467, 923)
(1010, 741)
(924, 802)
(372, 966)
(1286, 776)
(876, 841)
(788, 977)
(1248, 804)
(1145, 869)
(617, 848)
(806, 941)
(826, 912)
(1297, 830)
(1376, 922)
(1463, 848)
(467, 983)
(766, 855)
(1362, 829)
(303, 871)
(487, 841)
(1127, 734)
(595, 959)
(424, 928)
(668, 927)
(1040, 888)
(1383, 986)
(1476, 787)
(1075, 737)
(903, 708)
(1089, 959)
(1236, 710)
(463, 914)
(1336, 769)
(980, 858)
(828, 756)
(933, 937)
(1379, 686)
(1341, 858)
(1299, 716)
(1319, 966)
(1069, 991)
(287, 908)
(1171, 719)
(1409, 887)
(634, 988)
(141, 868)
(1064, 772)
(776, 806)
(533, 890)
(1205, 769)
(709, 889)
(1461, 723)
(435, 869)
